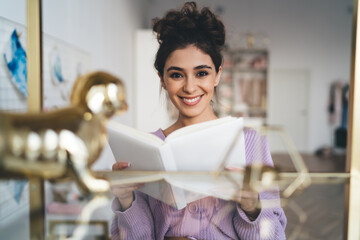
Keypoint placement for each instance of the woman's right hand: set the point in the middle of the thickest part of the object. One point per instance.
(124, 192)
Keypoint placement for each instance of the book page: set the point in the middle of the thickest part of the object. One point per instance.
(122, 129)
(207, 148)
(145, 152)
(139, 148)
(198, 127)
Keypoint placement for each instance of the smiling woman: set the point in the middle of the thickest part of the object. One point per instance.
(190, 79)
(188, 62)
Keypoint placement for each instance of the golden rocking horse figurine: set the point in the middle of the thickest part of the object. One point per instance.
(65, 142)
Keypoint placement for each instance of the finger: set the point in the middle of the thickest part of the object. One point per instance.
(123, 192)
(120, 165)
(248, 208)
(234, 168)
(245, 195)
(249, 193)
(123, 196)
(129, 188)
(128, 185)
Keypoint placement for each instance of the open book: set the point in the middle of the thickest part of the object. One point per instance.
(203, 147)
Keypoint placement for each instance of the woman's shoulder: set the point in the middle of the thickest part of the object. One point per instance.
(251, 132)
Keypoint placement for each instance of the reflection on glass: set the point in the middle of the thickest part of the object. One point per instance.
(51, 142)
(300, 49)
(311, 213)
(14, 200)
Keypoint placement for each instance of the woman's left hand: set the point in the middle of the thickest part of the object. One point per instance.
(248, 199)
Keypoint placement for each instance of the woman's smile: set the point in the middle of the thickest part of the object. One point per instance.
(191, 101)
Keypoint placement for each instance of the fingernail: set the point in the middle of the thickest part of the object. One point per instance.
(125, 164)
(232, 168)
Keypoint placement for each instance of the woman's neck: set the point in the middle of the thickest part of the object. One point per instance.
(184, 121)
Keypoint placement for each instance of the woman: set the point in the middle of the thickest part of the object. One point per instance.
(188, 62)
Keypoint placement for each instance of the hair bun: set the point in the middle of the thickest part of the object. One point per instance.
(189, 21)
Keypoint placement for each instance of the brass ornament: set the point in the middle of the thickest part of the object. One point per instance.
(65, 142)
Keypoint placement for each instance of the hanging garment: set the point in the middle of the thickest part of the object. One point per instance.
(341, 132)
(335, 103)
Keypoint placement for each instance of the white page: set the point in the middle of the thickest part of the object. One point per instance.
(205, 149)
(198, 127)
(145, 151)
(126, 142)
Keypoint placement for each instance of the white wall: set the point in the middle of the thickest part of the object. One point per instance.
(150, 102)
(307, 35)
(105, 29)
(14, 10)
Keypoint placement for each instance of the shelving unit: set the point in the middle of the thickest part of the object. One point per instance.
(243, 89)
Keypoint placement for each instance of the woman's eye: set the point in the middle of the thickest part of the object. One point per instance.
(202, 74)
(175, 75)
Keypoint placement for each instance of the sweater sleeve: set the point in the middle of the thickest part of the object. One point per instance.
(134, 223)
(271, 222)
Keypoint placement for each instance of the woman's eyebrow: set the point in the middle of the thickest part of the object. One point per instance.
(202, 66)
(174, 68)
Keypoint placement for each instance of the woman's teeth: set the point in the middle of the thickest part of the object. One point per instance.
(191, 100)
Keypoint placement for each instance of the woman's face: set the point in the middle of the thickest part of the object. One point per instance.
(189, 78)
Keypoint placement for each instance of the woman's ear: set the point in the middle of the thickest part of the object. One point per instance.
(217, 78)
(162, 81)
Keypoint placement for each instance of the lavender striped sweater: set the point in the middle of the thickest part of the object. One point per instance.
(207, 218)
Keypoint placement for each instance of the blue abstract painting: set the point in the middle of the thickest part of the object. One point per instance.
(15, 59)
(18, 188)
(56, 71)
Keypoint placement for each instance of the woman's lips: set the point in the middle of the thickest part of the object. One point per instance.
(190, 101)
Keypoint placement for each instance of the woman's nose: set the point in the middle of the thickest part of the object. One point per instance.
(190, 85)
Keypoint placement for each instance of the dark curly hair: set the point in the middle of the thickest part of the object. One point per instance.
(189, 26)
